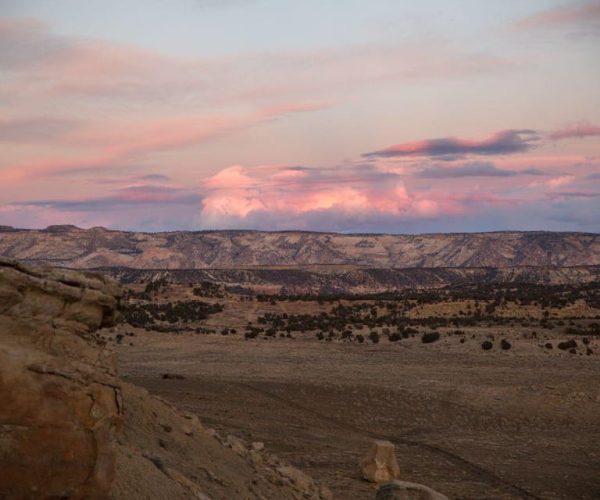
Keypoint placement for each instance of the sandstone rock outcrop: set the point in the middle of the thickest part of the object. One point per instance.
(380, 464)
(60, 400)
(404, 490)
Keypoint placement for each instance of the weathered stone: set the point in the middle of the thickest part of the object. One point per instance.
(380, 464)
(255, 457)
(236, 444)
(60, 401)
(404, 490)
(193, 489)
(258, 446)
(299, 479)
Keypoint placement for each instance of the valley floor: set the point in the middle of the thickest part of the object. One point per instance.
(471, 424)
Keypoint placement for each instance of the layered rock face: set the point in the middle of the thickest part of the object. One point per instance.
(60, 403)
(72, 247)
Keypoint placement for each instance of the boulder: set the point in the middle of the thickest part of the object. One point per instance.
(60, 398)
(404, 490)
(380, 464)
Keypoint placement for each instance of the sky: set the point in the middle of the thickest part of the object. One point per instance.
(328, 115)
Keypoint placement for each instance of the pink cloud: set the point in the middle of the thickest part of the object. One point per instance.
(559, 181)
(563, 15)
(120, 142)
(36, 168)
(579, 130)
(238, 192)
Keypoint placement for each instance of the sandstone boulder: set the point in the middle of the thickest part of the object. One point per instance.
(60, 399)
(404, 490)
(380, 464)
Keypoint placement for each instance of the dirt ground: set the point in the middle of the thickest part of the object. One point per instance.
(472, 424)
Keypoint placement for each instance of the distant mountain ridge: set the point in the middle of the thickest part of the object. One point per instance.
(69, 246)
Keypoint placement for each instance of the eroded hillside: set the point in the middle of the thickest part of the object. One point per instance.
(69, 246)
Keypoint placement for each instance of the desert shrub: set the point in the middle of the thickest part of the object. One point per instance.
(487, 345)
(360, 339)
(430, 337)
(208, 289)
(548, 345)
(572, 351)
(172, 376)
(347, 334)
(462, 341)
(568, 344)
(585, 340)
(374, 336)
(589, 352)
(395, 337)
(320, 335)
(505, 345)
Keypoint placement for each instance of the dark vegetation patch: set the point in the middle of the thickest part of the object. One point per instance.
(567, 344)
(430, 337)
(149, 314)
(208, 289)
(487, 345)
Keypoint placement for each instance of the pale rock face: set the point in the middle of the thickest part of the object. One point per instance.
(404, 490)
(60, 400)
(380, 464)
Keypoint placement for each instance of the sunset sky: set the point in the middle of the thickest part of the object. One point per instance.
(347, 115)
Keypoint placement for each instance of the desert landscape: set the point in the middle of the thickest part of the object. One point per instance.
(438, 372)
(299, 250)
(482, 378)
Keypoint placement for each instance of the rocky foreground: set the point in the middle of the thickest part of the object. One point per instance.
(69, 246)
(70, 428)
